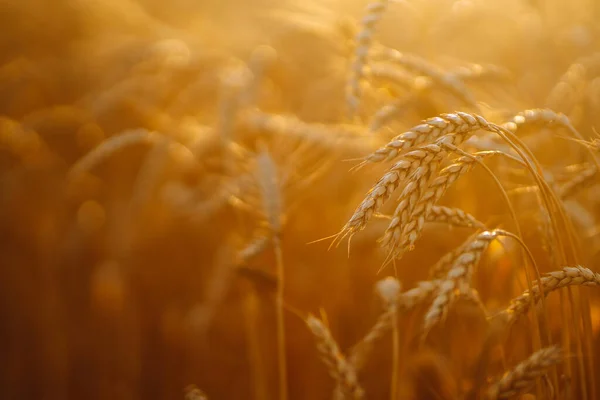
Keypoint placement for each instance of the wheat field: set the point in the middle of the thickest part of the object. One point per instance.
(277, 199)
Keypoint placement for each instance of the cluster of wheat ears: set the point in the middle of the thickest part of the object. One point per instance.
(266, 162)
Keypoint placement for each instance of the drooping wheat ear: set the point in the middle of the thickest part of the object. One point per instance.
(339, 368)
(419, 158)
(403, 232)
(443, 265)
(453, 216)
(583, 179)
(447, 215)
(568, 276)
(389, 73)
(481, 72)
(569, 89)
(454, 124)
(522, 377)
(418, 295)
(389, 291)
(119, 142)
(373, 13)
(276, 125)
(388, 112)
(419, 66)
(409, 198)
(538, 116)
(458, 278)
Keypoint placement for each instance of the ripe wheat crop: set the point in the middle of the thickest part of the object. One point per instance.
(345, 199)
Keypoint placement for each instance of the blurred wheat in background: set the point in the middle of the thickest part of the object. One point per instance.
(221, 199)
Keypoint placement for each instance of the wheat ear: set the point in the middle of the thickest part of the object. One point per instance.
(454, 217)
(441, 267)
(568, 90)
(523, 376)
(538, 116)
(419, 66)
(458, 124)
(121, 141)
(339, 368)
(583, 179)
(481, 72)
(447, 215)
(406, 228)
(389, 182)
(568, 276)
(373, 13)
(458, 278)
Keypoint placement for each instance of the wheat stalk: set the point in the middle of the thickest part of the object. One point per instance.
(412, 161)
(523, 376)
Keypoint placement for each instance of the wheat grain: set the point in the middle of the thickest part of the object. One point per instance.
(523, 376)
